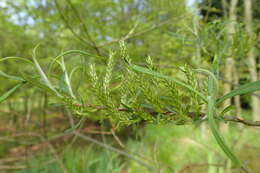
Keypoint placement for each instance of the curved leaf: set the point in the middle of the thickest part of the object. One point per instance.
(55, 60)
(212, 91)
(243, 89)
(42, 74)
(17, 58)
(11, 76)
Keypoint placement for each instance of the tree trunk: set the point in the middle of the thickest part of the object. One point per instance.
(229, 63)
(255, 102)
(197, 62)
(237, 98)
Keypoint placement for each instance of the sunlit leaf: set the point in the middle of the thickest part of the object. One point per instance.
(42, 74)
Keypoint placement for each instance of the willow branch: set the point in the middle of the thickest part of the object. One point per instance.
(242, 121)
(191, 115)
(68, 25)
(131, 34)
(84, 27)
(91, 42)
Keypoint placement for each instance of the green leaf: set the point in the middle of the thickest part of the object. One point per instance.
(227, 109)
(178, 82)
(218, 137)
(11, 76)
(42, 74)
(34, 81)
(10, 92)
(17, 58)
(62, 84)
(244, 89)
(66, 79)
(55, 60)
(212, 91)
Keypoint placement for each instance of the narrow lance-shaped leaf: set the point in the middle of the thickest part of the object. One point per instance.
(55, 60)
(34, 81)
(66, 78)
(10, 92)
(244, 89)
(212, 90)
(73, 71)
(219, 139)
(178, 82)
(42, 74)
(17, 58)
(11, 76)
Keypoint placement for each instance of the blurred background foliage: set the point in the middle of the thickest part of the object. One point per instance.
(174, 33)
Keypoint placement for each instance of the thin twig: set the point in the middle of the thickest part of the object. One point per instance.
(117, 139)
(130, 35)
(53, 150)
(68, 25)
(108, 147)
(84, 26)
(242, 121)
(5, 167)
(192, 166)
(127, 36)
(189, 114)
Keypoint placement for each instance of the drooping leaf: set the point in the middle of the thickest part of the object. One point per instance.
(66, 79)
(55, 60)
(42, 74)
(17, 58)
(11, 76)
(212, 91)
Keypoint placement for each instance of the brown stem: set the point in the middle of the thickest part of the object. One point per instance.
(189, 114)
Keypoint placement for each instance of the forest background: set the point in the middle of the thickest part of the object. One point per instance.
(80, 91)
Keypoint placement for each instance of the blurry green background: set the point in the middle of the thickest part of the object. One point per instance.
(173, 33)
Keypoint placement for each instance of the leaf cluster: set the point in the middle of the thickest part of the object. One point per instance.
(134, 94)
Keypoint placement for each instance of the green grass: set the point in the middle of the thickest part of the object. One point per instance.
(178, 146)
(77, 160)
(169, 148)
